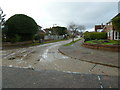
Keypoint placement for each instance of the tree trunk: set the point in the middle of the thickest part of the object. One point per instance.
(73, 39)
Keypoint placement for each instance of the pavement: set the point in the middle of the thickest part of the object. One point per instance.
(95, 56)
(27, 78)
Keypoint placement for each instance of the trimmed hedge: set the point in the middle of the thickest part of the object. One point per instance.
(95, 35)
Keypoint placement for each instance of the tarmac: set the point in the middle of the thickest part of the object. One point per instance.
(102, 57)
(27, 78)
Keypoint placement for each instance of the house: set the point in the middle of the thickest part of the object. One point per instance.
(99, 28)
(111, 32)
(50, 35)
(39, 27)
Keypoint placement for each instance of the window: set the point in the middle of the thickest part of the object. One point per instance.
(118, 35)
(115, 35)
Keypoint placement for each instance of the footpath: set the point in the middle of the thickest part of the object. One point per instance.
(95, 56)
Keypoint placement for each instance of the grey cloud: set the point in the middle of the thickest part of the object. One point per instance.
(87, 13)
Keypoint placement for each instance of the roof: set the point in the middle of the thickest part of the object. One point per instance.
(99, 26)
(118, 15)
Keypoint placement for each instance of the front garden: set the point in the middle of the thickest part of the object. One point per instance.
(98, 40)
(104, 42)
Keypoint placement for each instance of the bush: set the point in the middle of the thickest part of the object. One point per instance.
(21, 25)
(116, 23)
(95, 35)
(15, 39)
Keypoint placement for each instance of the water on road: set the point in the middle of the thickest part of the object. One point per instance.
(47, 57)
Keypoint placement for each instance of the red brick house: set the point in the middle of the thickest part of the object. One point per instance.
(111, 32)
(99, 28)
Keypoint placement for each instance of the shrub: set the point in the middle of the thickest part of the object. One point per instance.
(21, 25)
(116, 23)
(15, 39)
(95, 35)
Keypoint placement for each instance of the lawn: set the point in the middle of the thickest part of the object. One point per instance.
(104, 42)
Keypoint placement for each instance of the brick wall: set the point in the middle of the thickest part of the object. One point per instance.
(103, 47)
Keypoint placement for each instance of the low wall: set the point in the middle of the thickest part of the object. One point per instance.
(115, 48)
(17, 43)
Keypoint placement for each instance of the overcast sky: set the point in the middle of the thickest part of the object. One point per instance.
(47, 12)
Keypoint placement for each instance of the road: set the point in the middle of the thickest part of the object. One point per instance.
(47, 58)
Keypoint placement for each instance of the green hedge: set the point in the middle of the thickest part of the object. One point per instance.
(95, 35)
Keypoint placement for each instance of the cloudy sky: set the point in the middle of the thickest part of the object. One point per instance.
(62, 12)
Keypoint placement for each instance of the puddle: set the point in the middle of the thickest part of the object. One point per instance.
(51, 52)
(19, 56)
(33, 52)
(38, 60)
(12, 58)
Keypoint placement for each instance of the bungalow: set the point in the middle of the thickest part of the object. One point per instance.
(111, 32)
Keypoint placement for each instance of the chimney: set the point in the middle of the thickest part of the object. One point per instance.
(101, 25)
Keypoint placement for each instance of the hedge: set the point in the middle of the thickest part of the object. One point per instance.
(95, 35)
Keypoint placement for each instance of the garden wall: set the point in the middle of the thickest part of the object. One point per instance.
(17, 43)
(115, 48)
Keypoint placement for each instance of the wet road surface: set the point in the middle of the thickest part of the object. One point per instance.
(47, 58)
(26, 78)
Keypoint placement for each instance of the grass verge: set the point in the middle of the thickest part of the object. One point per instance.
(71, 42)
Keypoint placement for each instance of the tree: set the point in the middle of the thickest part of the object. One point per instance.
(74, 28)
(59, 30)
(116, 23)
(40, 36)
(22, 26)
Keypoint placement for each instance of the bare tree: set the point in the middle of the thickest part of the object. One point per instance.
(2, 18)
(75, 28)
(2, 21)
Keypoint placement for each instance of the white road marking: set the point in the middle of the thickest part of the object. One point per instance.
(45, 54)
(10, 65)
(100, 81)
(11, 54)
(71, 72)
